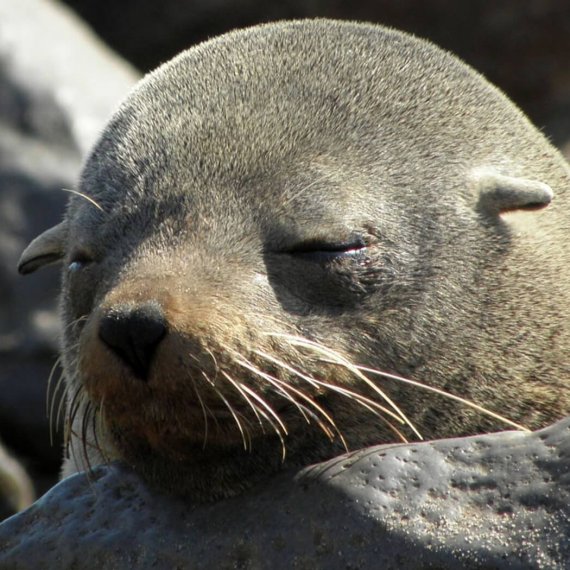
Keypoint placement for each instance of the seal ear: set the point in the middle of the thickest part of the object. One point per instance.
(499, 194)
(47, 248)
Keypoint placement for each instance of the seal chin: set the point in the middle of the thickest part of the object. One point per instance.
(200, 472)
(181, 436)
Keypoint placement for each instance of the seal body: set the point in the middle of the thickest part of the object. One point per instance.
(278, 216)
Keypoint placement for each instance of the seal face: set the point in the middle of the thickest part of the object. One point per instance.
(283, 227)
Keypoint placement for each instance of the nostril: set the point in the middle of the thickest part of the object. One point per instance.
(133, 332)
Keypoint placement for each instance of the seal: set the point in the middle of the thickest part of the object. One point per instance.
(293, 240)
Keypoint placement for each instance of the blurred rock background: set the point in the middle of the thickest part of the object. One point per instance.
(58, 85)
(63, 69)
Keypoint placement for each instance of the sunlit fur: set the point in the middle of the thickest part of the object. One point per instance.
(208, 194)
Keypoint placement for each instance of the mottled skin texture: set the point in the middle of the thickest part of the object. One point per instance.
(222, 183)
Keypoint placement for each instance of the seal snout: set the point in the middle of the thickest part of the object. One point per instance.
(133, 332)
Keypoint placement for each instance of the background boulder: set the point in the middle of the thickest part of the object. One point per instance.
(58, 86)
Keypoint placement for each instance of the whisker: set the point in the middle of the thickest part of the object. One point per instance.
(204, 413)
(367, 402)
(87, 410)
(94, 425)
(49, 384)
(74, 323)
(341, 360)
(374, 407)
(323, 176)
(237, 386)
(99, 428)
(88, 198)
(216, 367)
(277, 419)
(259, 412)
(448, 395)
(283, 388)
(231, 410)
(51, 398)
(76, 404)
(269, 409)
(72, 409)
(244, 362)
(62, 401)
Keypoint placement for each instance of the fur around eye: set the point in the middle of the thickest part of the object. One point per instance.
(78, 261)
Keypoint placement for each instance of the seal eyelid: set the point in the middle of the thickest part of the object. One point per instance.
(324, 251)
(355, 242)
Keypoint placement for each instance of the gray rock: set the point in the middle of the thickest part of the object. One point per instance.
(493, 501)
(58, 86)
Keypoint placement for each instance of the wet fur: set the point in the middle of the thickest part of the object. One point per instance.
(221, 163)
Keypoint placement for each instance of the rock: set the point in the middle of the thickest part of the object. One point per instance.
(16, 488)
(58, 86)
(494, 501)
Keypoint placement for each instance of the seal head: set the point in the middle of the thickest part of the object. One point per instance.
(282, 226)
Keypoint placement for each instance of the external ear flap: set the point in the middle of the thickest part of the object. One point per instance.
(499, 194)
(47, 248)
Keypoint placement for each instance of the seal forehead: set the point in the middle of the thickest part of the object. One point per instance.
(252, 102)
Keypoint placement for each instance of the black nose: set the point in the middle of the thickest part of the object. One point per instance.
(134, 332)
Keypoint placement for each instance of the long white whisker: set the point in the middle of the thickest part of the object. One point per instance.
(271, 380)
(339, 389)
(85, 197)
(269, 409)
(283, 388)
(232, 412)
(339, 359)
(374, 407)
(445, 394)
(238, 387)
(271, 412)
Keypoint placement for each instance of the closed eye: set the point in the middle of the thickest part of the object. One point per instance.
(325, 252)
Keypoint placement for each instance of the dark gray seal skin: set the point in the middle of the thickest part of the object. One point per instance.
(278, 206)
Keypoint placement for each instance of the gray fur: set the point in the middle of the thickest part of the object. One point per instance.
(228, 158)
